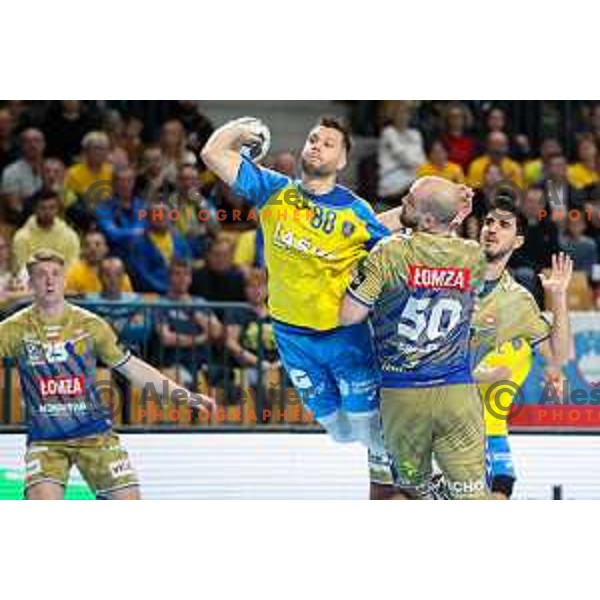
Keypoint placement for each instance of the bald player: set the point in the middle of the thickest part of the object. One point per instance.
(420, 289)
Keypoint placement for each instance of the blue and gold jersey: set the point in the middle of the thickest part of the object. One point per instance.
(312, 244)
(56, 360)
(422, 289)
(507, 313)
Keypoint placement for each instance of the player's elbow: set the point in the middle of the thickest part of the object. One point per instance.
(208, 155)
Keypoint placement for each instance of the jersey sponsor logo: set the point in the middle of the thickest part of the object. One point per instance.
(68, 385)
(439, 277)
(288, 241)
(33, 467)
(120, 468)
(300, 379)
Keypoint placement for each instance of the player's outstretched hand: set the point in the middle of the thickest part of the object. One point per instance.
(557, 282)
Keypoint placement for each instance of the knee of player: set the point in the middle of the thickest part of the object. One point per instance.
(338, 428)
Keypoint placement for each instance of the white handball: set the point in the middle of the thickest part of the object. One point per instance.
(256, 151)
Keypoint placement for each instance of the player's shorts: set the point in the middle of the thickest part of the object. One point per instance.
(101, 460)
(442, 422)
(499, 462)
(331, 370)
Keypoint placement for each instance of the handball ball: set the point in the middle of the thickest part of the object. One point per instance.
(256, 151)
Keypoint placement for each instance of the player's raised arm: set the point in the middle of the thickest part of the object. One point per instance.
(556, 284)
(141, 374)
(232, 152)
(222, 153)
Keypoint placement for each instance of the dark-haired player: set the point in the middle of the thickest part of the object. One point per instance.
(507, 314)
(56, 346)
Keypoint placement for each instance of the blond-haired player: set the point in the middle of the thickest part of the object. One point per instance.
(56, 346)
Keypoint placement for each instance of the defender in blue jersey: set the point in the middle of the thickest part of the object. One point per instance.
(315, 233)
(421, 288)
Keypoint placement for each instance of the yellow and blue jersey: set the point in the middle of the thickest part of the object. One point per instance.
(312, 244)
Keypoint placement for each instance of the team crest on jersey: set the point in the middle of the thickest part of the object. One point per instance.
(348, 229)
(34, 350)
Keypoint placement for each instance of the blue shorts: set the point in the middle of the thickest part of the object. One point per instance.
(331, 370)
(498, 457)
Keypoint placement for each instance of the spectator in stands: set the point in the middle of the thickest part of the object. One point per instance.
(153, 252)
(541, 241)
(561, 196)
(174, 151)
(286, 164)
(53, 180)
(243, 339)
(495, 121)
(186, 333)
(133, 325)
(45, 230)
(115, 285)
(219, 280)
(400, 153)
(595, 122)
(461, 147)
(8, 152)
(94, 169)
(592, 208)
(65, 123)
(584, 172)
(130, 141)
(439, 165)
(189, 201)
(13, 286)
(492, 179)
(196, 125)
(23, 177)
(119, 218)
(496, 153)
(580, 247)
(535, 171)
(249, 251)
(151, 183)
(83, 276)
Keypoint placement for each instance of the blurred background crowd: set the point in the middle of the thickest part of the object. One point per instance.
(75, 174)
